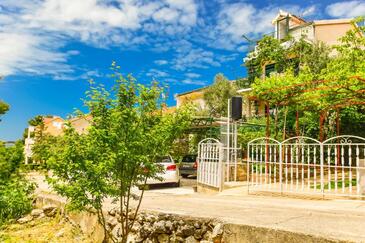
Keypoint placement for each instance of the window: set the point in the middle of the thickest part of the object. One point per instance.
(269, 69)
(282, 28)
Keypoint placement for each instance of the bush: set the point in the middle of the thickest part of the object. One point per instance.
(15, 199)
(15, 191)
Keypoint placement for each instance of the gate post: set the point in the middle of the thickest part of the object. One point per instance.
(248, 169)
(322, 168)
(281, 167)
(221, 168)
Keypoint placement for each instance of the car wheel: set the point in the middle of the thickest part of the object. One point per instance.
(177, 184)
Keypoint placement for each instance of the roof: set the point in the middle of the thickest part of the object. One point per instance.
(47, 120)
(192, 91)
(202, 88)
(86, 117)
(332, 21)
(169, 109)
(283, 14)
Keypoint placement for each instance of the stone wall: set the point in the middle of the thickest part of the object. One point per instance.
(153, 227)
(149, 226)
(161, 227)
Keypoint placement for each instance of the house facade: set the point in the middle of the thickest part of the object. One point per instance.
(54, 126)
(286, 24)
(80, 123)
(325, 31)
(195, 96)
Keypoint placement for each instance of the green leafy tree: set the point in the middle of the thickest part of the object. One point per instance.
(216, 96)
(36, 121)
(15, 191)
(128, 132)
(3, 108)
(43, 147)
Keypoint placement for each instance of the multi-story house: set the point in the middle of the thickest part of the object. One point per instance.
(286, 24)
(195, 96)
(80, 123)
(52, 125)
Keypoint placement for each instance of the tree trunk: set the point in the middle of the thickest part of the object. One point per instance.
(276, 122)
(284, 127)
(267, 120)
(322, 118)
(297, 131)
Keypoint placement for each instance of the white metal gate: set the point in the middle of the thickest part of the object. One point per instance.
(305, 165)
(210, 166)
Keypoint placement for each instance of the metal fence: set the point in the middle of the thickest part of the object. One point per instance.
(210, 169)
(306, 165)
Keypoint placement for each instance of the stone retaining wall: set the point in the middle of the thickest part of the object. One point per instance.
(161, 227)
(154, 227)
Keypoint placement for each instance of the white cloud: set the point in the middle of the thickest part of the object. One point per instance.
(192, 75)
(310, 11)
(228, 58)
(73, 52)
(75, 14)
(26, 53)
(346, 9)
(166, 14)
(237, 19)
(195, 58)
(193, 82)
(157, 73)
(32, 31)
(160, 62)
(242, 18)
(92, 74)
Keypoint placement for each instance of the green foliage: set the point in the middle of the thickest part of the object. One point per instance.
(128, 132)
(43, 147)
(3, 108)
(36, 121)
(10, 159)
(15, 191)
(270, 51)
(216, 96)
(312, 56)
(326, 84)
(15, 198)
(248, 132)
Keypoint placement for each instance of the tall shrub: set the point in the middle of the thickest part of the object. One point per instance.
(128, 132)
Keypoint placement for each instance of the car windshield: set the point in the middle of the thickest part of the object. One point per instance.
(164, 159)
(189, 158)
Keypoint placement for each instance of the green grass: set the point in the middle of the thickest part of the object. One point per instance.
(339, 184)
(42, 230)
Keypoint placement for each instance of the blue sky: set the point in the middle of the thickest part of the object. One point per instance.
(50, 48)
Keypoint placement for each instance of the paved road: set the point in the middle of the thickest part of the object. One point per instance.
(188, 182)
(336, 219)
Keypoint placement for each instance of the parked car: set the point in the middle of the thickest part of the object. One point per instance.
(189, 165)
(170, 174)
